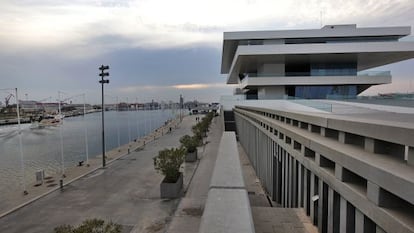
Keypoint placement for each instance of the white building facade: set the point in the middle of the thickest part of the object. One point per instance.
(330, 62)
(349, 166)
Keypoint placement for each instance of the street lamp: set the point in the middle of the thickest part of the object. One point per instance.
(102, 68)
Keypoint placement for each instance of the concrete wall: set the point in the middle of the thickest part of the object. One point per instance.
(227, 207)
(358, 185)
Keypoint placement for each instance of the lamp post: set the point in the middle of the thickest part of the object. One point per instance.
(102, 68)
(20, 145)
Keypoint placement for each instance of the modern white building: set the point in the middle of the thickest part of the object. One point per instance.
(331, 62)
(349, 165)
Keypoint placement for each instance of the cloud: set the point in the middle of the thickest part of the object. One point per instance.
(165, 24)
(50, 45)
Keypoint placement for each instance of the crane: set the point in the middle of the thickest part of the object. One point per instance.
(8, 99)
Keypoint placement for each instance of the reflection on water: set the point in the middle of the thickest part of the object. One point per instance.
(42, 147)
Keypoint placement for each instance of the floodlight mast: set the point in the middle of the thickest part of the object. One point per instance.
(103, 68)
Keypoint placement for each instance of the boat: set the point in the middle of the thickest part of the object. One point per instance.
(36, 125)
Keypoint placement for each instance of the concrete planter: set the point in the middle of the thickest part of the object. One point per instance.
(191, 157)
(172, 190)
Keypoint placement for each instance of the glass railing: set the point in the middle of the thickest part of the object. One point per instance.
(407, 39)
(311, 103)
(305, 74)
(374, 73)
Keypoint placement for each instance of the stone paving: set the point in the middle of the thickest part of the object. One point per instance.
(126, 192)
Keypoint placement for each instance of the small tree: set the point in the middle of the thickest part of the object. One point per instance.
(190, 143)
(91, 225)
(168, 162)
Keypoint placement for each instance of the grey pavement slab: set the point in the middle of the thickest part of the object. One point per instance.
(227, 210)
(227, 164)
(126, 192)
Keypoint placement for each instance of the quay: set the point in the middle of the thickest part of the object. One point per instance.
(127, 192)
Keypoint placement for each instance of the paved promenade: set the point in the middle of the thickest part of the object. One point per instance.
(126, 192)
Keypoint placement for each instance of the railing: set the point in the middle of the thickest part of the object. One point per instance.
(305, 74)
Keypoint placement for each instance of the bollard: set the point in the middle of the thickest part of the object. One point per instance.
(61, 184)
(128, 151)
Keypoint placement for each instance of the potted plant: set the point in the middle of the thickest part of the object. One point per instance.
(168, 162)
(190, 143)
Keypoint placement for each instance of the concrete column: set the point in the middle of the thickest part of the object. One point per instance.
(305, 190)
(341, 137)
(323, 131)
(339, 172)
(290, 181)
(310, 127)
(295, 184)
(359, 221)
(312, 191)
(410, 157)
(369, 145)
(300, 183)
(330, 209)
(320, 205)
(318, 159)
(343, 216)
(283, 178)
(373, 193)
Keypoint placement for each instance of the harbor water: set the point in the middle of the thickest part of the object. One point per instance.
(43, 148)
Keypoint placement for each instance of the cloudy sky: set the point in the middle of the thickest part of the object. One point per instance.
(159, 49)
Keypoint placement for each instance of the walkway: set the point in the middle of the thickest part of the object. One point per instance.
(126, 192)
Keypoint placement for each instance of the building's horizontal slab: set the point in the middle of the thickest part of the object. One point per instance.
(367, 55)
(232, 39)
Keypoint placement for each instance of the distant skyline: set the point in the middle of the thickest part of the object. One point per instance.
(159, 49)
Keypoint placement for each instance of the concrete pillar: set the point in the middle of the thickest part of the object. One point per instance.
(339, 172)
(323, 131)
(373, 193)
(290, 181)
(305, 190)
(283, 178)
(318, 159)
(330, 209)
(342, 215)
(369, 144)
(310, 127)
(295, 184)
(410, 156)
(320, 205)
(359, 221)
(341, 137)
(311, 194)
(300, 183)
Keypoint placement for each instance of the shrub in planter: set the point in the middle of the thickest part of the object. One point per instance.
(190, 143)
(168, 162)
(90, 225)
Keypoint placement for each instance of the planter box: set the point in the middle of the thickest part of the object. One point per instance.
(172, 190)
(191, 157)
